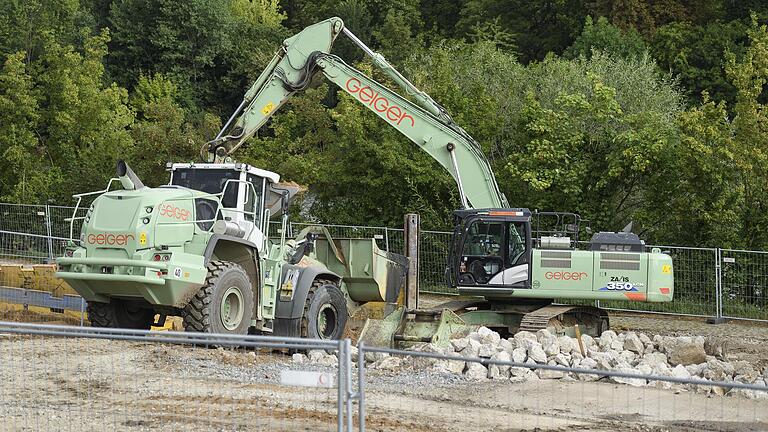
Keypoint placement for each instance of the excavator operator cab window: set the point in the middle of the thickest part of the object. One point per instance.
(494, 253)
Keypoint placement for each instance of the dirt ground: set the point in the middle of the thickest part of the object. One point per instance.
(77, 384)
(86, 384)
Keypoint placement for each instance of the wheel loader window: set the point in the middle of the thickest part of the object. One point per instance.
(210, 181)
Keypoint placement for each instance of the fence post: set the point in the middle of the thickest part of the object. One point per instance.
(718, 318)
(349, 394)
(341, 387)
(361, 386)
(386, 238)
(49, 232)
(412, 232)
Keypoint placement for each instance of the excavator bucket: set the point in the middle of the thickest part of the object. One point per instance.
(403, 328)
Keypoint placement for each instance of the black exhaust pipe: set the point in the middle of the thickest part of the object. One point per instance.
(128, 178)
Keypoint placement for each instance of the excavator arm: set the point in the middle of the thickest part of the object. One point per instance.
(424, 121)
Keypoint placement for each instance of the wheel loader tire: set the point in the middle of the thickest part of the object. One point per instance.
(224, 304)
(325, 312)
(118, 314)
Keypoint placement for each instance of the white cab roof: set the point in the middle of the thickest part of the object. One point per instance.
(269, 175)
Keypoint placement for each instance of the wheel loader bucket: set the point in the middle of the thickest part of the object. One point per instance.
(403, 328)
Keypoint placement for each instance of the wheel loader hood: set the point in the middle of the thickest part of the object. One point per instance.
(121, 222)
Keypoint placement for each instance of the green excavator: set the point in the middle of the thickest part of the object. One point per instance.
(512, 263)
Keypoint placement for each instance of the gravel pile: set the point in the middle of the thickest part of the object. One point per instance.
(637, 353)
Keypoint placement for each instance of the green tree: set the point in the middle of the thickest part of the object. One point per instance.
(695, 54)
(603, 36)
(28, 173)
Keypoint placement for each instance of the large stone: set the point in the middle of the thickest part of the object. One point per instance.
(519, 355)
(567, 344)
(549, 374)
(681, 372)
(488, 336)
(299, 358)
(634, 382)
(472, 349)
(628, 356)
(518, 375)
(460, 344)
(537, 354)
(328, 360)
(633, 343)
(373, 357)
(524, 335)
(744, 369)
(316, 355)
(487, 349)
(696, 369)
(389, 363)
(685, 353)
(561, 359)
(502, 356)
(506, 345)
(550, 344)
(616, 345)
(455, 367)
(653, 359)
(716, 347)
(717, 370)
(644, 339)
(587, 341)
(606, 339)
(476, 371)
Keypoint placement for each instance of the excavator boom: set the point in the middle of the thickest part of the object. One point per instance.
(424, 122)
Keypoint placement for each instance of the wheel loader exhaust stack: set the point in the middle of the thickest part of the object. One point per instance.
(128, 178)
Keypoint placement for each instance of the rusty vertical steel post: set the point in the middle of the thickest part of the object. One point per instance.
(412, 231)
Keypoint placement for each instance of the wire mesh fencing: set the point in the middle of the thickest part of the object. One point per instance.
(709, 282)
(72, 378)
(406, 390)
(696, 281)
(744, 286)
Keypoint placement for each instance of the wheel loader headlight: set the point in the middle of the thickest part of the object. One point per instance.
(145, 220)
(148, 209)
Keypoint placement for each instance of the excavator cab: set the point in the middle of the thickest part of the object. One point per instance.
(491, 249)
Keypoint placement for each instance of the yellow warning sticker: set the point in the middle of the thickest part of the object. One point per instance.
(268, 108)
(142, 238)
(666, 268)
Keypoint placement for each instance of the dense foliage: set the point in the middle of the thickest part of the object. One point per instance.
(650, 111)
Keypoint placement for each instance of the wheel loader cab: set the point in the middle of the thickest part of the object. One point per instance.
(491, 249)
(241, 188)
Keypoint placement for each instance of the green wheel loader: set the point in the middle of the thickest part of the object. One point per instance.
(200, 247)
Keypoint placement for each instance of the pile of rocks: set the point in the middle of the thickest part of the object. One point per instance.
(629, 352)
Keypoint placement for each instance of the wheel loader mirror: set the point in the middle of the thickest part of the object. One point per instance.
(571, 228)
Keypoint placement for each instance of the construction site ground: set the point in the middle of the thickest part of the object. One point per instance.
(141, 386)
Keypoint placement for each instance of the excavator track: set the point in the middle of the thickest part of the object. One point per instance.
(592, 320)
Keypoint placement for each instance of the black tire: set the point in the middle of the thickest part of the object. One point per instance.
(325, 312)
(206, 313)
(119, 314)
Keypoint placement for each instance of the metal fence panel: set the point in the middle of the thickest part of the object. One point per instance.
(67, 378)
(695, 285)
(744, 284)
(38, 233)
(424, 395)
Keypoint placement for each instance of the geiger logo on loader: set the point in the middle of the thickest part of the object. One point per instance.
(110, 239)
